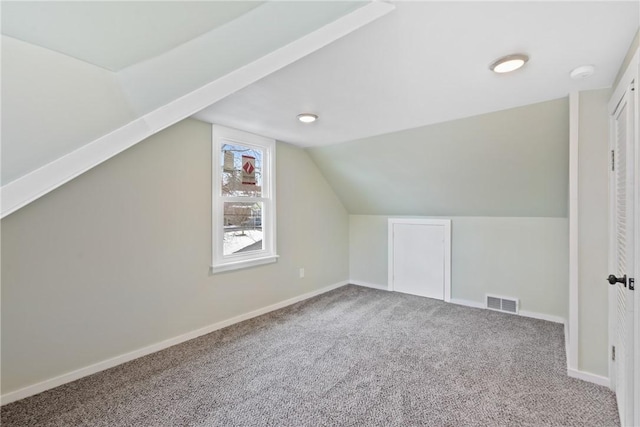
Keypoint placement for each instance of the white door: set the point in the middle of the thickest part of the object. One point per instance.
(622, 247)
(419, 258)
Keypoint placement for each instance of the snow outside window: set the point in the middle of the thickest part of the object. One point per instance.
(243, 199)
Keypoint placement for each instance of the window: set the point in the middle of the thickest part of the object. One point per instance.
(244, 216)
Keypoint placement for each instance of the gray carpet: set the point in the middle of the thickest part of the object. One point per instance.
(350, 357)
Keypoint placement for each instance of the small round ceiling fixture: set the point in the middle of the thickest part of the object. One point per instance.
(509, 63)
(583, 72)
(307, 117)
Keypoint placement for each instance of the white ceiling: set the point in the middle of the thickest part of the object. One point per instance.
(427, 62)
(115, 34)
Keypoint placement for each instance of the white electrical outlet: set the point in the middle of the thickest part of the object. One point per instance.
(302, 273)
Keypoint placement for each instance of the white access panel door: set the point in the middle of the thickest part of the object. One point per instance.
(420, 258)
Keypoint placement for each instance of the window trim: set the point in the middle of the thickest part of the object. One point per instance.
(219, 262)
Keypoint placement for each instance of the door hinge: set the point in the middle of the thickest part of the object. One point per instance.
(632, 284)
(613, 160)
(613, 353)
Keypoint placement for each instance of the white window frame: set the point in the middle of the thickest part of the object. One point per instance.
(223, 135)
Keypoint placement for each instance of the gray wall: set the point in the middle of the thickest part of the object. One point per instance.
(501, 177)
(518, 257)
(593, 232)
(118, 259)
(508, 163)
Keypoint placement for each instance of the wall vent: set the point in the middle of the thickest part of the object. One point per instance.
(508, 305)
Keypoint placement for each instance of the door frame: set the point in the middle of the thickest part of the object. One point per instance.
(630, 77)
(446, 223)
(636, 150)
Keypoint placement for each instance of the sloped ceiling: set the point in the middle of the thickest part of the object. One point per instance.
(84, 81)
(68, 104)
(427, 62)
(511, 163)
(115, 35)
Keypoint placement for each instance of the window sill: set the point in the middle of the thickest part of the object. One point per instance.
(237, 265)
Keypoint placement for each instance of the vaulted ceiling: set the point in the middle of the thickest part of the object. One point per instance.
(82, 81)
(115, 35)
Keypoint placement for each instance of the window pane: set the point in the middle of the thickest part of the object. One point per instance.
(241, 171)
(242, 201)
(242, 227)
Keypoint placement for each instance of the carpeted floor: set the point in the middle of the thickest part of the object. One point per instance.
(350, 357)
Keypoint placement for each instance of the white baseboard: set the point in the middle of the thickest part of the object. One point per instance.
(118, 360)
(369, 285)
(467, 303)
(586, 376)
(542, 316)
(524, 313)
(573, 373)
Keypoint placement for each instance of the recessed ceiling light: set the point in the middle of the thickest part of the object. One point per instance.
(509, 63)
(583, 72)
(307, 117)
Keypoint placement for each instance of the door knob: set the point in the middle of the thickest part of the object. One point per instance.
(613, 280)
